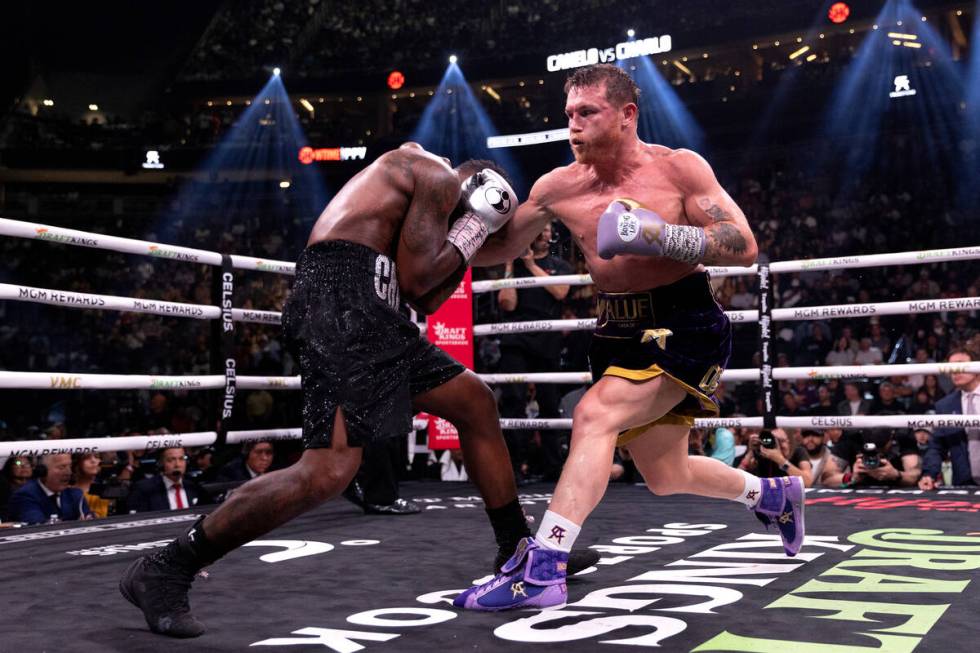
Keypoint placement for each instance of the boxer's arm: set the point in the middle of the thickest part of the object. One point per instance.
(425, 258)
(728, 237)
(432, 300)
(517, 235)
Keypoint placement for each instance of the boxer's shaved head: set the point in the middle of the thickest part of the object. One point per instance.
(620, 87)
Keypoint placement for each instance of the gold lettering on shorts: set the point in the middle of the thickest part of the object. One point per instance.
(711, 379)
(660, 335)
(625, 309)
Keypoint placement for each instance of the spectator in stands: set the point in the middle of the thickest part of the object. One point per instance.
(854, 403)
(17, 471)
(85, 469)
(791, 406)
(720, 443)
(841, 354)
(887, 403)
(47, 497)
(784, 458)
(922, 437)
(921, 404)
(203, 470)
(169, 489)
(867, 354)
(817, 453)
(825, 403)
(921, 358)
(255, 460)
(879, 339)
(960, 446)
(931, 385)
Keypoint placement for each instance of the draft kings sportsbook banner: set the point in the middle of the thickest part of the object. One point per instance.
(451, 329)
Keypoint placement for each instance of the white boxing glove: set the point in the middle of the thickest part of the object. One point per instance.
(489, 196)
(490, 203)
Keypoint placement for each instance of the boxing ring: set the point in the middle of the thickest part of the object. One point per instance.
(682, 573)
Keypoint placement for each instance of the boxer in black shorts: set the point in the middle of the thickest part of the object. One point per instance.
(404, 228)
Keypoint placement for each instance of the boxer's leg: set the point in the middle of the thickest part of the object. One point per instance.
(158, 584)
(661, 456)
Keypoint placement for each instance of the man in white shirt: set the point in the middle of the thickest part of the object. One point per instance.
(868, 355)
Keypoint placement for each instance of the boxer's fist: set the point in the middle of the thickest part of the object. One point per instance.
(627, 228)
(490, 197)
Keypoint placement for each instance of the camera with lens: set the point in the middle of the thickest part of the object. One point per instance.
(767, 439)
(870, 456)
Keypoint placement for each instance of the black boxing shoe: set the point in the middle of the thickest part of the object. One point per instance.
(577, 560)
(399, 507)
(158, 585)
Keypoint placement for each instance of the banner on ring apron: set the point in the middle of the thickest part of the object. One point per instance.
(451, 329)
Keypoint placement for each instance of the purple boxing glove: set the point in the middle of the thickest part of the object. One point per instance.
(628, 228)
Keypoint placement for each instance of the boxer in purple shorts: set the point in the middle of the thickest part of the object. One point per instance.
(647, 219)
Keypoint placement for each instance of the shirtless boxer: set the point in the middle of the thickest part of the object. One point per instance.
(402, 227)
(646, 218)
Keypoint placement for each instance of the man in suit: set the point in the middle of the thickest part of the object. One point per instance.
(256, 459)
(48, 494)
(962, 446)
(168, 490)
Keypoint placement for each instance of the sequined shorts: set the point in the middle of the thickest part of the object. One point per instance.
(355, 350)
(678, 331)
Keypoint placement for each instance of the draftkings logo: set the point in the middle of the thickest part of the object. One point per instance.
(163, 252)
(450, 335)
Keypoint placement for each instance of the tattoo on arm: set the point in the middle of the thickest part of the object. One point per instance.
(715, 212)
(724, 240)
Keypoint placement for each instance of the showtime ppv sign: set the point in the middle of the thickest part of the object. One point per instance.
(308, 155)
(451, 329)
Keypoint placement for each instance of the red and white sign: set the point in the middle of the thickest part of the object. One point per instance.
(451, 329)
(308, 155)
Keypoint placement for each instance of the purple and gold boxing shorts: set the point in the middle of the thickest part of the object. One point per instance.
(678, 331)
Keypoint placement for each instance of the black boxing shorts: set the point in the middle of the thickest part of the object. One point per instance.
(678, 331)
(355, 350)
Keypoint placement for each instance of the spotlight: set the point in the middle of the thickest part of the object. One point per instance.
(284, 183)
(93, 107)
(276, 71)
(453, 58)
(48, 103)
(631, 32)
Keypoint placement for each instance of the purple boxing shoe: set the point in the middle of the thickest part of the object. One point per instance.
(781, 505)
(534, 577)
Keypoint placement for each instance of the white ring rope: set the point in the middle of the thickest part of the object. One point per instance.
(69, 299)
(48, 233)
(42, 380)
(802, 265)
(70, 381)
(831, 312)
(201, 439)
